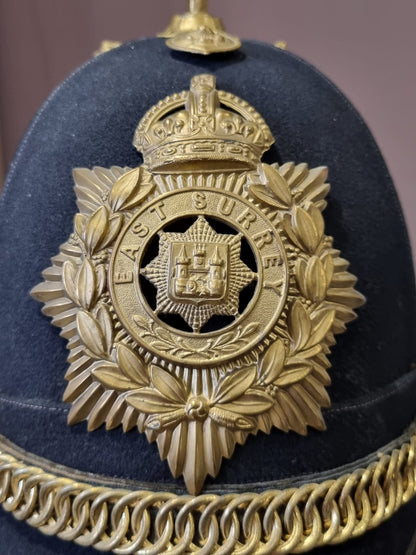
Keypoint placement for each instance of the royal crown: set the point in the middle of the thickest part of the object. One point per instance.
(202, 129)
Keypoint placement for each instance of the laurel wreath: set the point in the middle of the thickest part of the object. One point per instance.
(169, 343)
(242, 393)
(110, 381)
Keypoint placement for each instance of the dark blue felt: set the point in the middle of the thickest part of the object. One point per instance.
(90, 121)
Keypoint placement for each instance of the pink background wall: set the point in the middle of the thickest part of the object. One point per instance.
(367, 47)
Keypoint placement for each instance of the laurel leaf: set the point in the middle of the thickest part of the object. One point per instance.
(233, 385)
(96, 229)
(139, 196)
(260, 193)
(321, 324)
(288, 229)
(163, 346)
(305, 229)
(114, 226)
(101, 280)
(272, 362)
(328, 264)
(251, 403)
(318, 221)
(250, 328)
(164, 334)
(300, 326)
(231, 420)
(230, 348)
(129, 190)
(110, 376)
(310, 351)
(151, 401)
(123, 188)
(277, 185)
(290, 377)
(91, 334)
(300, 273)
(298, 362)
(172, 387)
(225, 338)
(162, 421)
(69, 272)
(80, 221)
(315, 280)
(131, 365)
(85, 284)
(104, 318)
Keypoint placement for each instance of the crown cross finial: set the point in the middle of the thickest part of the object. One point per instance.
(202, 103)
(215, 129)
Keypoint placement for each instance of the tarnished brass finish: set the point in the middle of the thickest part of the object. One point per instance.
(198, 32)
(91, 511)
(199, 293)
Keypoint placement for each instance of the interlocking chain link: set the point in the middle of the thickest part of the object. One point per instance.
(294, 520)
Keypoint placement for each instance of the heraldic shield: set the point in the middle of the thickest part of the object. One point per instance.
(220, 398)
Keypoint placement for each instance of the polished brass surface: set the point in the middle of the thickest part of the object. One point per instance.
(106, 46)
(198, 32)
(199, 293)
(91, 511)
(282, 44)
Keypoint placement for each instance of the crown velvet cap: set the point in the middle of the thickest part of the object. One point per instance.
(90, 120)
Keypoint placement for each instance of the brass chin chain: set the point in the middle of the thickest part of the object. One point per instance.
(294, 520)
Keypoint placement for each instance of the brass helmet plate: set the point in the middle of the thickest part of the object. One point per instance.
(198, 292)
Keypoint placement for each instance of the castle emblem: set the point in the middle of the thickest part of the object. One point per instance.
(198, 273)
(201, 279)
(199, 293)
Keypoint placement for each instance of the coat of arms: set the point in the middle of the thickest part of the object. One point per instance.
(199, 293)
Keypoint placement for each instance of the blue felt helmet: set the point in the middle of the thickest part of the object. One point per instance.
(265, 453)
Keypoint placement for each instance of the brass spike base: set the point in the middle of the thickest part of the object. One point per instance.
(198, 32)
(61, 502)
